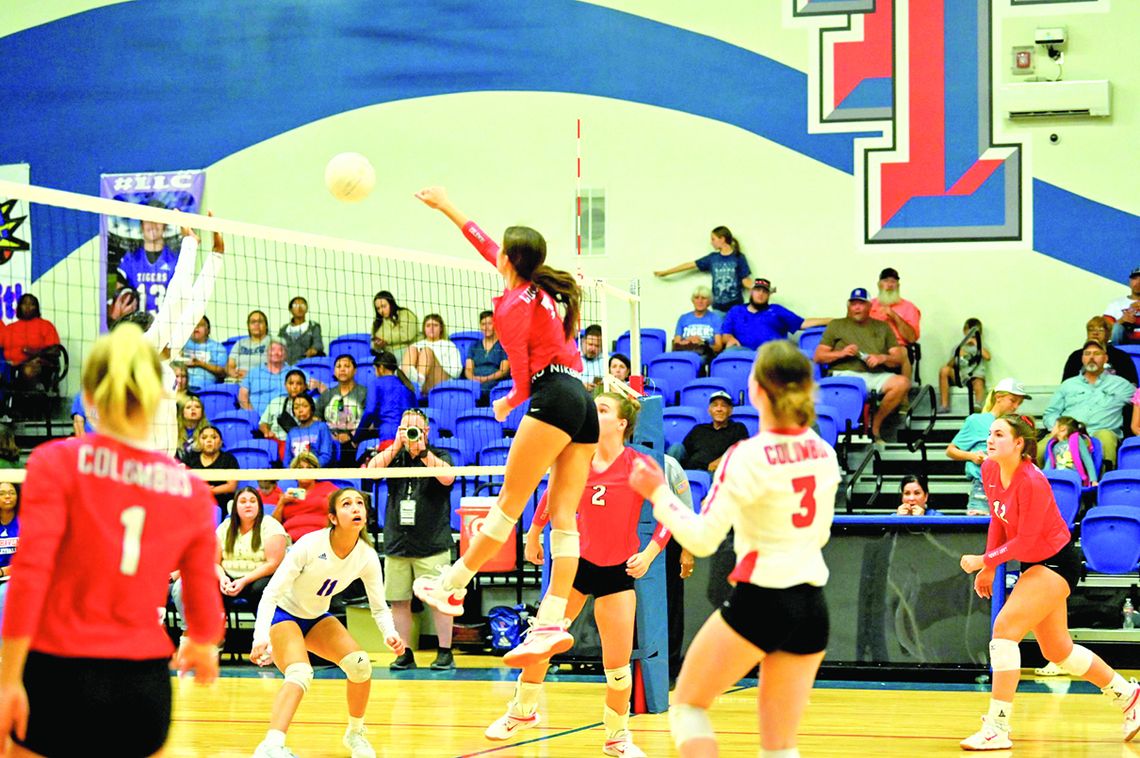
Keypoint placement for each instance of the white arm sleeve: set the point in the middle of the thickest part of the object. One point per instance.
(295, 560)
(678, 482)
(161, 331)
(195, 301)
(700, 535)
(373, 578)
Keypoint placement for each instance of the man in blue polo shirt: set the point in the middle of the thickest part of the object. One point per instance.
(750, 326)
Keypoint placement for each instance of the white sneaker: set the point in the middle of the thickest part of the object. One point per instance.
(543, 640)
(509, 724)
(989, 737)
(1050, 669)
(429, 589)
(1131, 708)
(273, 751)
(622, 745)
(355, 741)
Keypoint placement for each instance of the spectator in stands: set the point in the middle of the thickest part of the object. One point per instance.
(902, 316)
(251, 351)
(250, 548)
(858, 345)
(433, 359)
(1123, 312)
(389, 394)
(620, 367)
(31, 344)
(1094, 398)
(9, 450)
(310, 435)
(966, 367)
(263, 383)
(728, 266)
(914, 494)
(305, 507)
(699, 330)
(210, 455)
(205, 358)
(342, 407)
(80, 423)
(393, 328)
(279, 415)
(1068, 446)
(193, 417)
(417, 532)
(270, 493)
(9, 536)
(302, 337)
(750, 326)
(1119, 362)
(593, 363)
(486, 359)
(969, 444)
(706, 444)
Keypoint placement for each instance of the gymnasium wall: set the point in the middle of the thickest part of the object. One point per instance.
(693, 115)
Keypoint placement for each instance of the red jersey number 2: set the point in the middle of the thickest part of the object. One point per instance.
(805, 485)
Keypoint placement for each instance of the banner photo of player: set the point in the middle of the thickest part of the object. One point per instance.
(15, 243)
(140, 256)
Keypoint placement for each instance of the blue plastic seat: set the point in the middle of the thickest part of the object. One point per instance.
(653, 342)
(250, 457)
(678, 420)
(229, 342)
(734, 367)
(464, 341)
(234, 431)
(1066, 486)
(269, 447)
(1128, 456)
(359, 349)
(1119, 488)
(674, 370)
(847, 395)
(748, 416)
(449, 399)
(476, 429)
(217, 401)
(700, 482)
(809, 339)
(1110, 539)
(827, 418)
(318, 362)
(696, 393)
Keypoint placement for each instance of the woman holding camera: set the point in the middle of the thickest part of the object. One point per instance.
(302, 509)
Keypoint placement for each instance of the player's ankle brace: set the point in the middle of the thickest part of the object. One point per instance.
(688, 722)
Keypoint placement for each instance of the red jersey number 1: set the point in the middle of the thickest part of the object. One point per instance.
(805, 485)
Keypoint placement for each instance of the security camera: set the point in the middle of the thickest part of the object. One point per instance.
(1054, 138)
(1052, 36)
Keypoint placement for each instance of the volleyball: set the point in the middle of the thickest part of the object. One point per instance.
(350, 177)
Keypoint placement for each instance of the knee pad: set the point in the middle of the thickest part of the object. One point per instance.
(564, 544)
(620, 678)
(300, 674)
(1004, 655)
(1078, 662)
(688, 722)
(356, 666)
(498, 525)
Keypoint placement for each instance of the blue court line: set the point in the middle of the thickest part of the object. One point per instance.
(513, 745)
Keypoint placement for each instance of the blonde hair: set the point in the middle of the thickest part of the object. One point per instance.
(991, 399)
(122, 378)
(627, 410)
(785, 375)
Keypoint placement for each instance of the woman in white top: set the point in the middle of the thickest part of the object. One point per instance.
(777, 491)
(433, 359)
(293, 620)
(250, 548)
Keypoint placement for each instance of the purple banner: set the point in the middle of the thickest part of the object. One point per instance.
(139, 257)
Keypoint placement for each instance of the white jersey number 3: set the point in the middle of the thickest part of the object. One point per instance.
(132, 520)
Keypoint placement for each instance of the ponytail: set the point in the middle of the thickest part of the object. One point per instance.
(785, 375)
(724, 233)
(564, 289)
(122, 377)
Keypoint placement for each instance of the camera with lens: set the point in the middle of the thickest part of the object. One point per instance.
(413, 433)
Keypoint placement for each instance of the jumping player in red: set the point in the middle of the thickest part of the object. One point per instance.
(611, 560)
(1026, 526)
(104, 523)
(559, 431)
(777, 491)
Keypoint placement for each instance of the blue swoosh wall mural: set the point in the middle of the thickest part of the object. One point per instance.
(191, 83)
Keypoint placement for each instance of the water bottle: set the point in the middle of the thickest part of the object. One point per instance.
(1128, 621)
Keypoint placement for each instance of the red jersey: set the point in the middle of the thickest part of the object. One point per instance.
(1025, 524)
(528, 324)
(103, 524)
(608, 514)
(31, 334)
